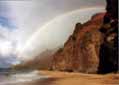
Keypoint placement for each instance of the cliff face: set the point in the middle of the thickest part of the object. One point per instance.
(109, 48)
(93, 45)
(81, 51)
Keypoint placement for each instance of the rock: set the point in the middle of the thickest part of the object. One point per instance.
(81, 51)
(93, 46)
(109, 48)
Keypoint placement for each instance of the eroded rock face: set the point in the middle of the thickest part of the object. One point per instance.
(109, 48)
(93, 47)
(81, 51)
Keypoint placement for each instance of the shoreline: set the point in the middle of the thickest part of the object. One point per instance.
(66, 78)
(72, 78)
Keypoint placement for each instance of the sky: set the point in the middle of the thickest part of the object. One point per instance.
(7, 42)
(28, 27)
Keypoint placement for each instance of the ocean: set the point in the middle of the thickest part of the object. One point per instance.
(20, 78)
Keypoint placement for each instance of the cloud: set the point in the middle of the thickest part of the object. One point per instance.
(7, 23)
(6, 41)
(7, 48)
(31, 15)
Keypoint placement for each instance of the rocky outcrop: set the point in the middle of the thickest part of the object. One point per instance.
(81, 51)
(93, 46)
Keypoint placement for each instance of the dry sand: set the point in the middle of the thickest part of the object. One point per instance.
(65, 78)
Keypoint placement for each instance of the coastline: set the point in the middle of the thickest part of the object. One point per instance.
(45, 77)
(65, 78)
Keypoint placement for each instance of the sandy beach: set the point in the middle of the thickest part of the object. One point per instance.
(65, 78)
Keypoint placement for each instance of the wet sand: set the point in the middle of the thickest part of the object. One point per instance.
(65, 78)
